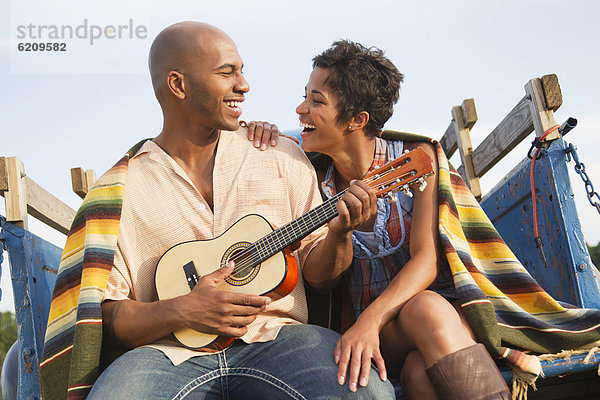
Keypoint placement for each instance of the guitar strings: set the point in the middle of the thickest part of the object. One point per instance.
(244, 259)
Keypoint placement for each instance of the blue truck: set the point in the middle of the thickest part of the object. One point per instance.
(558, 258)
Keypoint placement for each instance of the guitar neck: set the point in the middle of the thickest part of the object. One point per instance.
(388, 179)
(278, 240)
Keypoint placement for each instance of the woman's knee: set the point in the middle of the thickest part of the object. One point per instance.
(432, 312)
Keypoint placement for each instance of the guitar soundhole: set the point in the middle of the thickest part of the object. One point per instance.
(245, 270)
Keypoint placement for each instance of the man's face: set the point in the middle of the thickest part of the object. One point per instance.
(216, 86)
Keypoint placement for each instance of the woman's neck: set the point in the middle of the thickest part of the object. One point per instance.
(353, 160)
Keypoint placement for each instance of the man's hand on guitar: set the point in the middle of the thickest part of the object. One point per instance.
(357, 207)
(215, 311)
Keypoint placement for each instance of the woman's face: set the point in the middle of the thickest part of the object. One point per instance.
(318, 115)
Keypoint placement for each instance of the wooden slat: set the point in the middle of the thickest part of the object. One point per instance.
(23, 196)
(552, 92)
(465, 148)
(3, 176)
(90, 178)
(15, 199)
(42, 205)
(542, 117)
(448, 141)
(469, 112)
(509, 132)
(78, 181)
(82, 181)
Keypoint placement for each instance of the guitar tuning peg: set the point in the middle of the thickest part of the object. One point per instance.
(406, 151)
(391, 198)
(422, 184)
(407, 191)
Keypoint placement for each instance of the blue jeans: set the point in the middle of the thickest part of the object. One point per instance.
(298, 364)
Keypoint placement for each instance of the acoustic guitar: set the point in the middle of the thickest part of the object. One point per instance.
(262, 267)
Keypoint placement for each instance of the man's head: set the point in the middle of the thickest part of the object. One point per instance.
(363, 79)
(196, 70)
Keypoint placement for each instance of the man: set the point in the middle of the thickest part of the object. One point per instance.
(192, 182)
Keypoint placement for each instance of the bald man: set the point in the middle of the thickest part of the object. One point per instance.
(192, 182)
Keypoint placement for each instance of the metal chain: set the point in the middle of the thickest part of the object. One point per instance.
(580, 169)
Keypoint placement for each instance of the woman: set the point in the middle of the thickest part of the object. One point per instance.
(401, 291)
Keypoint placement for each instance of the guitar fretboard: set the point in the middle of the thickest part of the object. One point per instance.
(278, 240)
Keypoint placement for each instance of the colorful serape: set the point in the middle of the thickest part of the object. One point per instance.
(71, 358)
(478, 258)
(506, 308)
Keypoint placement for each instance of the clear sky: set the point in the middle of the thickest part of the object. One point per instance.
(87, 105)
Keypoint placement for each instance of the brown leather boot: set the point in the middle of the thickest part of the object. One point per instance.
(468, 374)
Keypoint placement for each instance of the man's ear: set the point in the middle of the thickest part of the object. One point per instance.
(359, 121)
(176, 85)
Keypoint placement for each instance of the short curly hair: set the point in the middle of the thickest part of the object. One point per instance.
(363, 80)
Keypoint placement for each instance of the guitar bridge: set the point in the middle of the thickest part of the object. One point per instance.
(191, 276)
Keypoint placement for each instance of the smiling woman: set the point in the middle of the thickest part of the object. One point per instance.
(401, 292)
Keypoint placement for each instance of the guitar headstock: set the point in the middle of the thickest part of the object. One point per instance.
(399, 174)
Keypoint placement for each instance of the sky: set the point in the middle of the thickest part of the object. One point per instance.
(85, 106)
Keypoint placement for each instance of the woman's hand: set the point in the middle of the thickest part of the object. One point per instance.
(354, 351)
(357, 206)
(264, 133)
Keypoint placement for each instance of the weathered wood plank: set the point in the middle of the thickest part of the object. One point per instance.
(552, 92)
(3, 176)
(90, 178)
(42, 205)
(509, 132)
(465, 148)
(82, 181)
(469, 112)
(78, 181)
(543, 118)
(448, 141)
(15, 198)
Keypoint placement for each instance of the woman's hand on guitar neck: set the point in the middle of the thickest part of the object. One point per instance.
(358, 206)
(327, 262)
(214, 311)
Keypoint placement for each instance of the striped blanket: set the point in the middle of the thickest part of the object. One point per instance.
(486, 274)
(71, 358)
(478, 258)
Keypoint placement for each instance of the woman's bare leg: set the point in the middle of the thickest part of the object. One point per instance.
(433, 326)
(441, 342)
(429, 326)
(414, 380)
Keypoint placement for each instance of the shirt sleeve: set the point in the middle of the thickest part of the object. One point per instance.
(119, 283)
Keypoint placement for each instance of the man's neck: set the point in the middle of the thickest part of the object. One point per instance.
(195, 153)
(188, 145)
